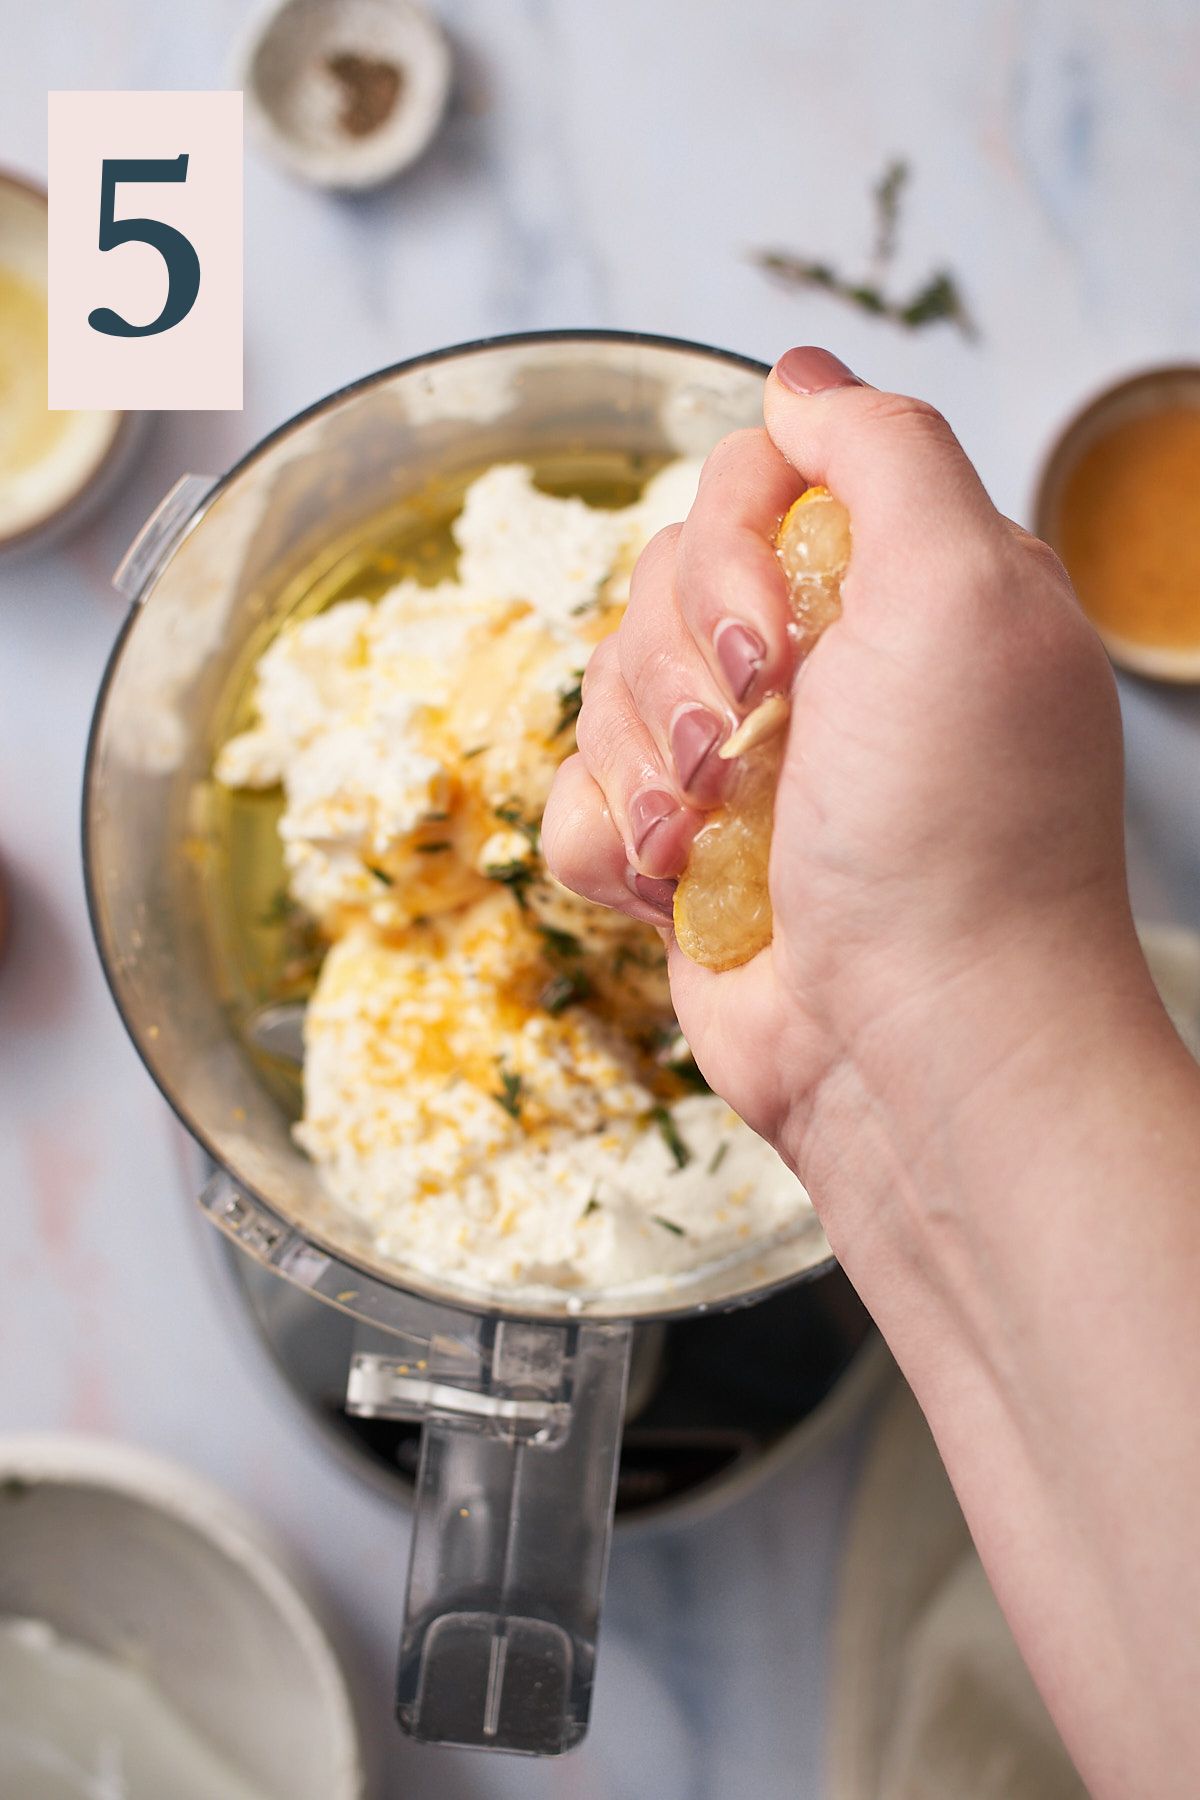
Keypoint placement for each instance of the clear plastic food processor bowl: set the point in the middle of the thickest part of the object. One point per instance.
(520, 1401)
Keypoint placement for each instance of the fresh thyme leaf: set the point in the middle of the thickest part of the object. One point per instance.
(509, 1096)
(672, 1052)
(690, 1075)
(869, 298)
(470, 755)
(432, 849)
(560, 943)
(570, 702)
(887, 195)
(670, 1135)
(938, 299)
(515, 876)
(436, 818)
(565, 990)
(718, 1157)
(593, 1206)
(668, 1225)
(381, 875)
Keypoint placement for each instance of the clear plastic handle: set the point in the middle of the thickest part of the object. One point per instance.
(510, 1543)
(520, 1445)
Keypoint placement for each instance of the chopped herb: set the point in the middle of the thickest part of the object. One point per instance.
(432, 849)
(668, 1225)
(670, 1134)
(515, 876)
(565, 990)
(560, 943)
(436, 818)
(381, 875)
(690, 1075)
(469, 755)
(510, 813)
(585, 606)
(718, 1157)
(569, 703)
(509, 1096)
(938, 298)
(673, 1053)
(593, 1206)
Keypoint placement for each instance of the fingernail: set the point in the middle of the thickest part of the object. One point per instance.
(741, 654)
(647, 811)
(809, 370)
(658, 894)
(694, 733)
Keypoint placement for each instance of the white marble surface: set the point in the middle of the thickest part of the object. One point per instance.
(605, 166)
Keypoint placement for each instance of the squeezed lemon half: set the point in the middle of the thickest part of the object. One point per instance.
(722, 903)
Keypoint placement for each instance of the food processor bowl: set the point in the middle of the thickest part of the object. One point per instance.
(520, 1395)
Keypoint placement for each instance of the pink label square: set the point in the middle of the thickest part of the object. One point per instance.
(152, 322)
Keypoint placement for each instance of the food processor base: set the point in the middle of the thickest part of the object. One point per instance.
(714, 1403)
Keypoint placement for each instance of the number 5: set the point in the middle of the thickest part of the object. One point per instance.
(183, 265)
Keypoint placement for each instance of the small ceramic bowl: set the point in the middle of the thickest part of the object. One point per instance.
(51, 495)
(130, 1556)
(1135, 397)
(345, 93)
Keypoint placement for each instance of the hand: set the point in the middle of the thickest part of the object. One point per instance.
(950, 804)
(953, 1037)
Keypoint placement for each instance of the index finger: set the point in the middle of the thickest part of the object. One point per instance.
(729, 584)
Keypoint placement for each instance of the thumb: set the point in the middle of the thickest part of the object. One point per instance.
(891, 460)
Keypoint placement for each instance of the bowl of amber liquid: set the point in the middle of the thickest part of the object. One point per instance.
(1119, 500)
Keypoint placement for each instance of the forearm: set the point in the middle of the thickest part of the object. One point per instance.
(1024, 1223)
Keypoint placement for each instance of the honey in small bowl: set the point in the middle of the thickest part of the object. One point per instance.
(1120, 502)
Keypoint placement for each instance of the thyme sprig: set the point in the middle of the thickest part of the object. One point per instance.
(937, 299)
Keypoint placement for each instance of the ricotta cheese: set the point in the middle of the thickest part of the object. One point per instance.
(493, 1078)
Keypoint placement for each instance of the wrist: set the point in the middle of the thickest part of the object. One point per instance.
(965, 1070)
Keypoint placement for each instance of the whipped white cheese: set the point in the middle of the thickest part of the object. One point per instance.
(515, 1153)
(481, 1082)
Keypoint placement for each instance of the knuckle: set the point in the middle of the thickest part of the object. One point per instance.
(731, 448)
(654, 564)
(1049, 560)
(568, 827)
(903, 412)
(648, 668)
(603, 732)
(602, 664)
